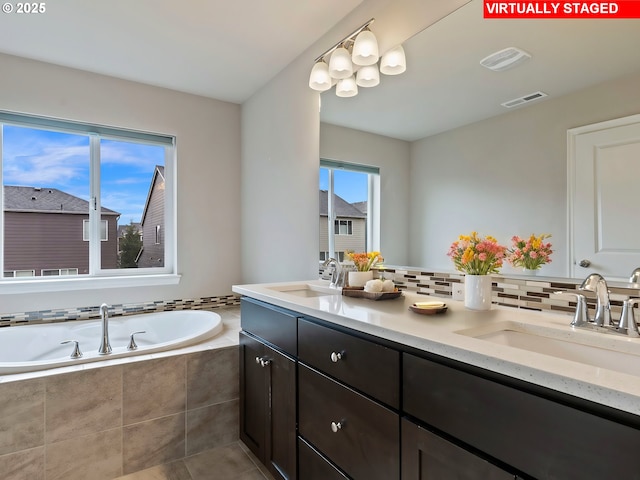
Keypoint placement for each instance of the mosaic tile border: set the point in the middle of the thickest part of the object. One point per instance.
(513, 292)
(117, 310)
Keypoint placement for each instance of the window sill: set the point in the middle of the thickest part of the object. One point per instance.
(91, 283)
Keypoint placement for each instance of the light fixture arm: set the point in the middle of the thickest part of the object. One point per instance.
(345, 40)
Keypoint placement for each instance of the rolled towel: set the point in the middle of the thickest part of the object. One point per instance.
(373, 286)
(388, 286)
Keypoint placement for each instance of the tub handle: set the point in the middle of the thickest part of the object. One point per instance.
(76, 348)
(132, 342)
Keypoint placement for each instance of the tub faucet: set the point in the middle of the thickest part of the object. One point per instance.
(105, 346)
(596, 283)
(635, 276)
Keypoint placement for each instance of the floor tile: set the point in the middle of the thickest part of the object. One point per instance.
(222, 463)
(171, 471)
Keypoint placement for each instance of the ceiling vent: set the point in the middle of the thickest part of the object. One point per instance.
(504, 59)
(524, 99)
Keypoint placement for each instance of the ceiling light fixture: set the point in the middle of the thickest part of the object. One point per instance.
(353, 63)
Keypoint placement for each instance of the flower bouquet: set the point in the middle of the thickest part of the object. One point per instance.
(530, 253)
(474, 255)
(364, 261)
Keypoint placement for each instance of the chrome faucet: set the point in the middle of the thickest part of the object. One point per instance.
(337, 274)
(635, 276)
(596, 283)
(105, 346)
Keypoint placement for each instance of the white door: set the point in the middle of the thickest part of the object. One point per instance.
(604, 198)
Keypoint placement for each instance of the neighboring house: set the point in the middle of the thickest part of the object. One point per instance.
(123, 228)
(362, 206)
(350, 227)
(153, 231)
(46, 233)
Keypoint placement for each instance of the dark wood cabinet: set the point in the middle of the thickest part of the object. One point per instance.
(426, 456)
(268, 392)
(356, 433)
(537, 436)
(318, 402)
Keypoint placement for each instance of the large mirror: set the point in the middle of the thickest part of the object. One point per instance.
(473, 164)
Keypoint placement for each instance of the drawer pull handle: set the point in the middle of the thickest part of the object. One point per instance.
(337, 426)
(336, 356)
(263, 361)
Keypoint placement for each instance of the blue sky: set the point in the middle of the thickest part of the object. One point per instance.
(41, 158)
(351, 186)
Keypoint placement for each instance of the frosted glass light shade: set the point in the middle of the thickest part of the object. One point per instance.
(347, 87)
(320, 79)
(393, 62)
(340, 65)
(368, 76)
(365, 49)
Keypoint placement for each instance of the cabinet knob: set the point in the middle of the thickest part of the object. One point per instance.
(335, 356)
(337, 426)
(263, 361)
(584, 263)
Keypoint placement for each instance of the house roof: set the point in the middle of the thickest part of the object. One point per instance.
(342, 207)
(362, 206)
(45, 200)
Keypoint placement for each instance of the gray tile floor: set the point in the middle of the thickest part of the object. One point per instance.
(229, 462)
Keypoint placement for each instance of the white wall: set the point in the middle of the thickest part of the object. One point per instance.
(392, 156)
(208, 166)
(280, 177)
(505, 176)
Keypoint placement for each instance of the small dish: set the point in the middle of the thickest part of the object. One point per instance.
(428, 308)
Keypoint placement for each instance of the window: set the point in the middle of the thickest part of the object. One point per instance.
(343, 227)
(59, 271)
(104, 226)
(70, 188)
(348, 212)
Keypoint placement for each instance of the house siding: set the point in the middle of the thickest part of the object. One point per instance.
(356, 241)
(37, 241)
(152, 253)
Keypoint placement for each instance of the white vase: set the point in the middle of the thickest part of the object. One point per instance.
(358, 279)
(477, 292)
(527, 271)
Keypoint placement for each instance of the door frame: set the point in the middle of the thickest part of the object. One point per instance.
(572, 135)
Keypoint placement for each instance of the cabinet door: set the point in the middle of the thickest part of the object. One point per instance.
(268, 405)
(253, 395)
(426, 456)
(280, 454)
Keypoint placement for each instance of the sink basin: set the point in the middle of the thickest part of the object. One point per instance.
(605, 351)
(307, 290)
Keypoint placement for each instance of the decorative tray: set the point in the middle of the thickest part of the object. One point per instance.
(428, 308)
(360, 293)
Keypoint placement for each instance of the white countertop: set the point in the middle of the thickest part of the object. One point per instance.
(392, 320)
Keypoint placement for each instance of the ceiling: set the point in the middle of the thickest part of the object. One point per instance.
(446, 87)
(229, 50)
(221, 49)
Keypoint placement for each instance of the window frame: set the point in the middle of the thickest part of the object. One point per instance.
(373, 202)
(99, 277)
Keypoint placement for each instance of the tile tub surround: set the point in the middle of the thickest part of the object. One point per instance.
(108, 421)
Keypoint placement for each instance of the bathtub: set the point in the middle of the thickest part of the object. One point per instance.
(27, 348)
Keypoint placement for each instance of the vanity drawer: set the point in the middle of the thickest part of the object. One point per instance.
(364, 365)
(313, 466)
(272, 324)
(366, 444)
(536, 435)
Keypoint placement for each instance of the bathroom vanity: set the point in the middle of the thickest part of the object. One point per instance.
(341, 387)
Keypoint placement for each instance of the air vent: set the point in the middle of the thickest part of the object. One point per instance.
(524, 99)
(504, 59)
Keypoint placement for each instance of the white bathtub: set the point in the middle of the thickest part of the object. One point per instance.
(26, 348)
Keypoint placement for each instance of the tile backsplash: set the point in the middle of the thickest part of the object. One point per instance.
(116, 310)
